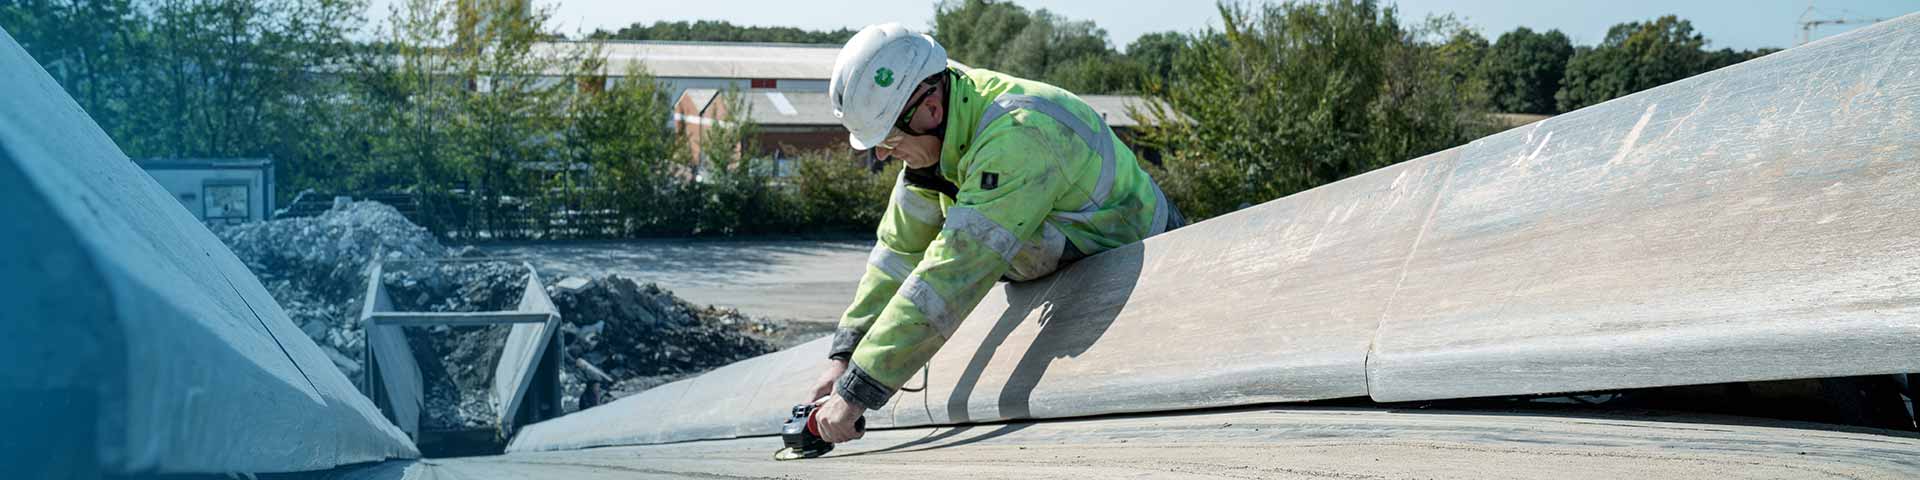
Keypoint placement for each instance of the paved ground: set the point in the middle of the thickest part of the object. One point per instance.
(807, 280)
(1295, 442)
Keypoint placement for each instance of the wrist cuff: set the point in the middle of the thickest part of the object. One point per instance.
(844, 341)
(861, 388)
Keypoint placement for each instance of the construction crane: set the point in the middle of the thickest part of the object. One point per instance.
(1807, 23)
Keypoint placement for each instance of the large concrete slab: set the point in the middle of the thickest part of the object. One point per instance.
(1753, 223)
(748, 398)
(153, 341)
(1277, 443)
(522, 353)
(1124, 331)
(1253, 307)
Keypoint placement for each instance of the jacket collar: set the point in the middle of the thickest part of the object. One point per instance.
(965, 104)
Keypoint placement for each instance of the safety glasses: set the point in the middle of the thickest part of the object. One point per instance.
(904, 123)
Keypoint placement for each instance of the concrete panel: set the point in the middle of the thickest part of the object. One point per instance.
(1753, 223)
(208, 374)
(787, 381)
(1127, 330)
(634, 420)
(724, 404)
(1257, 306)
(1290, 443)
(751, 397)
(390, 361)
(521, 354)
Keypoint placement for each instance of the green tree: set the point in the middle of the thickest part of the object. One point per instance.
(199, 78)
(1635, 56)
(1727, 57)
(1296, 95)
(732, 187)
(618, 135)
(1524, 68)
(96, 49)
(1037, 44)
(1155, 53)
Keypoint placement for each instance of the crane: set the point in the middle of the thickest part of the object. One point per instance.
(1807, 23)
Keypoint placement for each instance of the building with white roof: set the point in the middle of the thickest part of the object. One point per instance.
(718, 65)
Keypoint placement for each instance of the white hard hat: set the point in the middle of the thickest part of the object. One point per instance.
(876, 71)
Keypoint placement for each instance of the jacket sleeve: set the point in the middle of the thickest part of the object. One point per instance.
(1002, 200)
(911, 222)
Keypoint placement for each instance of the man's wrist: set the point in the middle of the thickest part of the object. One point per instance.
(861, 389)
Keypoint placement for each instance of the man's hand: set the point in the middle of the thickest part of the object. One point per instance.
(824, 387)
(835, 418)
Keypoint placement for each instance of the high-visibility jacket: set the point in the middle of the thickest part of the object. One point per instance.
(1029, 169)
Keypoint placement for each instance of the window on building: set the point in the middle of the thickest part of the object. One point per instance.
(765, 83)
(224, 202)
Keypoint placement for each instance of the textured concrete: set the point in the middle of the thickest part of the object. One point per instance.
(1296, 442)
(1753, 223)
(133, 338)
(521, 354)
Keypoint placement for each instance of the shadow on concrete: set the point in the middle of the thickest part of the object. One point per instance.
(1076, 306)
(949, 433)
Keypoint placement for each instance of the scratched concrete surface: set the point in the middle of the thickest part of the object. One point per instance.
(1298, 442)
(1753, 223)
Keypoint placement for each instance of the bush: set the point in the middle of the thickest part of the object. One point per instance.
(834, 192)
(1297, 95)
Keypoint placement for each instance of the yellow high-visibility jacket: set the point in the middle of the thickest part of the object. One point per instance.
(1031, 172)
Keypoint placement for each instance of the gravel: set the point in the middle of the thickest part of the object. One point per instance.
(639, 334)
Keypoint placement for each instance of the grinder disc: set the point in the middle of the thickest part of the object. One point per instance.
(790, 454)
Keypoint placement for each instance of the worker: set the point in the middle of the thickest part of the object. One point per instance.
(1004, 178)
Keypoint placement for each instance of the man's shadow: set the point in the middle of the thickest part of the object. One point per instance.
(1076, 306)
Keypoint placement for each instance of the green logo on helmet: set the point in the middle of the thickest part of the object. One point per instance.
(883, 77)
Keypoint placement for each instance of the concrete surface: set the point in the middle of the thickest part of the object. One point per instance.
(1298, 442)
(1757, 222)
(806, 280)
(521, 355)
(133, 340)
(749, 397)
(1753, 223)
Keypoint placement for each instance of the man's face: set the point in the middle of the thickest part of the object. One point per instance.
(918, 151)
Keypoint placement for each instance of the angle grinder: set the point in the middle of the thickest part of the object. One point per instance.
(803, 437)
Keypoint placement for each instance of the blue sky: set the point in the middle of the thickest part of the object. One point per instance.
(1727, 23)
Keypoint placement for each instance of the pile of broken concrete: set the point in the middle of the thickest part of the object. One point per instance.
(621, 336)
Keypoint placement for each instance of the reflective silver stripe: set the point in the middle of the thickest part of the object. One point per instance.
(1039, 257)
(931, 304)
(997, 238)
(894, 264)
(1100, 139)
(925, 210)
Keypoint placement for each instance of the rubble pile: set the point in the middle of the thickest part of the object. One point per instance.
(316, 267)
(642, 335)
(456, 363)
(621, 336)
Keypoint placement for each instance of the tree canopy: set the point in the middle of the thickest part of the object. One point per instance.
(1296, 95)
(1523, 70)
